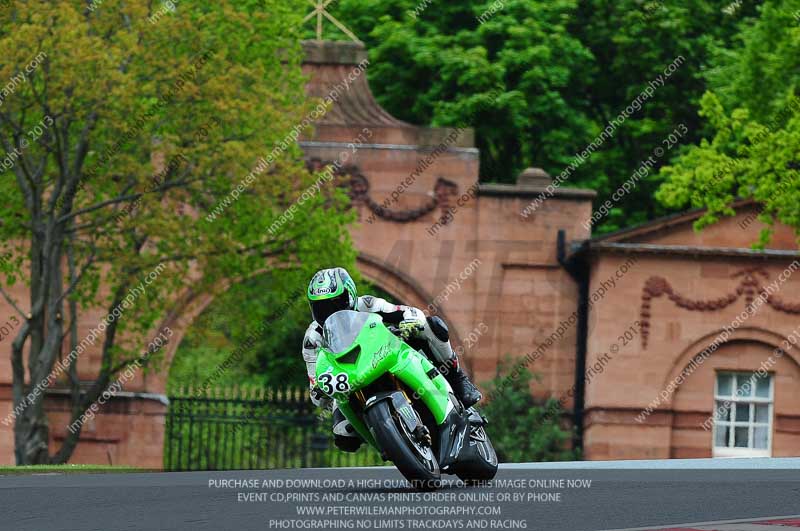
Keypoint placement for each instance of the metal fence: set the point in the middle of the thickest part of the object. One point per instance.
(245, 429)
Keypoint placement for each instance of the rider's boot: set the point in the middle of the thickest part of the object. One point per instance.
(438, 338)
(463, 387)
(344, 434)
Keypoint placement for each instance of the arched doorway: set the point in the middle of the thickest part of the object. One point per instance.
(237, 382)
(204, 331)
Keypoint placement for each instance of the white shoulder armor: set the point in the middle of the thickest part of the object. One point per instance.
(368, 303)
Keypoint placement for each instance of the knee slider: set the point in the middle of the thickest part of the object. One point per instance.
(439, 328)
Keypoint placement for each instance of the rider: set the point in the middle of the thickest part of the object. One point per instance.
(331, 290)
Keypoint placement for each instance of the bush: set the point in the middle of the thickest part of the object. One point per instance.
(521, 428)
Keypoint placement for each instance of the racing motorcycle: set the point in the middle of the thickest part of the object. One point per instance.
(399, 403)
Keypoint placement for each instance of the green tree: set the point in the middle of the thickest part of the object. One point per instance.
(521, 428)
(632, 43)
(441, 68)
(564, 69)
(753, 112)
(205, 97)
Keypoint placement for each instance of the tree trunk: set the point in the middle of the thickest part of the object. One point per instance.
(31, 435)
(31, 429)
(93, 393)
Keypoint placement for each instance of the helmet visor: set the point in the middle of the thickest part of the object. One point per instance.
(321, 310)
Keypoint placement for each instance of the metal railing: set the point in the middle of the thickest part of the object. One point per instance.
(247, 429)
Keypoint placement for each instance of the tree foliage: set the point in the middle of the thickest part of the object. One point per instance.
(753, 112)
(522, 429)
(135, 125)
(564, 69)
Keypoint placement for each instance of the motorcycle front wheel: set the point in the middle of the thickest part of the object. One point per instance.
(412, 458)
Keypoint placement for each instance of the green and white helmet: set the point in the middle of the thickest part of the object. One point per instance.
(330, 291)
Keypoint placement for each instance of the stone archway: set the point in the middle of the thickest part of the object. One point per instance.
(193, 304)
(404, 288)
(179, 321)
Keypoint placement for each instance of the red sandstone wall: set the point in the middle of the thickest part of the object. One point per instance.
(693, 401)
(636, 375)
(536, 292)
(516, 293)
(741, 231)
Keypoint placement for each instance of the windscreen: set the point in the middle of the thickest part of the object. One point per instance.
(342, 328)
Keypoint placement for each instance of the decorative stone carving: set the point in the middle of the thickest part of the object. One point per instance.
(749, 287)
(359, 190)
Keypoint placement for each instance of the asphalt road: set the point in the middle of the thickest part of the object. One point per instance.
(550, 497)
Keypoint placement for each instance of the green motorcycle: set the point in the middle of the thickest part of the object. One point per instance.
(399, 403)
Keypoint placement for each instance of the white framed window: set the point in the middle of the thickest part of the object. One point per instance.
(743, 415)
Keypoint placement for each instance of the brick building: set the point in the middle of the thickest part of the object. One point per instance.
(717, 328)
(620, 327)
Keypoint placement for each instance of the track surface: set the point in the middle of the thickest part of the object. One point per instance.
(622, 495)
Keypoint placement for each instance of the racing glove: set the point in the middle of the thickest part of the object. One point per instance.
(413, 323)
(320, 399)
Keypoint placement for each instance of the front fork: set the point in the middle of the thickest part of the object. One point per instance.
(416, 373)
(400, 401)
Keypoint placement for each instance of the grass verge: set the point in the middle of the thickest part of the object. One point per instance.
(70, 469)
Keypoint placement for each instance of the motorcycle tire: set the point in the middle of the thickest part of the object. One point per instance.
(414, 460)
